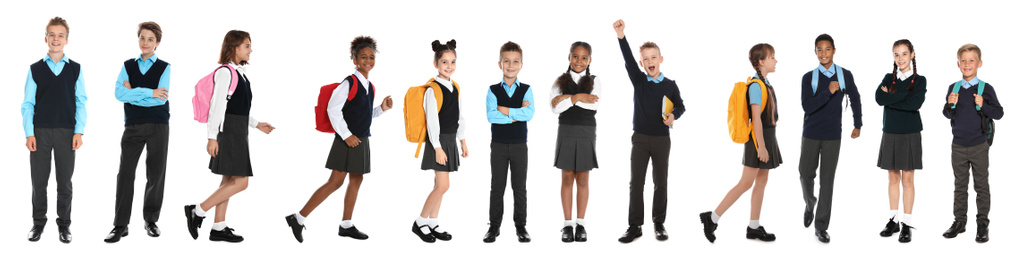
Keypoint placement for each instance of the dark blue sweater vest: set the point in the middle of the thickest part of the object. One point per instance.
(449, 111)
(515, 132)
(138, 114)
(576, 115)
(240, 102)
(55, 95)
(358, 112)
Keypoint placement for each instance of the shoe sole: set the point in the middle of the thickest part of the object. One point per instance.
(226, 240)
(191, 223)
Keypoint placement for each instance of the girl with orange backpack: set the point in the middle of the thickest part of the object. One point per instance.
(350, 112)
(761, 151)
(445, 128)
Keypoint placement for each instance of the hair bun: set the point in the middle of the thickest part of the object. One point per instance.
(451, 44)
(436, 45)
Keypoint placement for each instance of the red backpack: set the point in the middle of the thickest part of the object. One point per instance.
(322, 120)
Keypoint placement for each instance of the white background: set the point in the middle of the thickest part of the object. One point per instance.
(300, 46)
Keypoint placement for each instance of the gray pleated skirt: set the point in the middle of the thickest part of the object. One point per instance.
(233, 148)
(450, 146)
(901, 152)
(576, 149)
(349, 159)
(749, 155)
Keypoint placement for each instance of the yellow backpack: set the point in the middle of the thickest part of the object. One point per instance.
(415, 115)
(740, 124)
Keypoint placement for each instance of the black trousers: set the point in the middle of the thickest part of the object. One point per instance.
(503, 156)
(824, 152)
(58, 142)
(645, 148)
(154, 138)
(963, 160)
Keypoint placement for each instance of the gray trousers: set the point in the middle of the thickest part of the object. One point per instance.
(963, 159)
(646, 148)
(154, 138)
(503, 156)
(824, 152)
(58, 142)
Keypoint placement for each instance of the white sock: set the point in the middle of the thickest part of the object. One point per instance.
(581, 222)
(754, 223)
(714, 217)
(198, 211)
(300, 218)
(420, 221)
(219, 226)
(435, 224)
(895, 212)
(346, 224)
(569, 223)
(907, 218)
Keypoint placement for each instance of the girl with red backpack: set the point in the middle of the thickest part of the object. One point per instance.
(227, 130)
(350, 111)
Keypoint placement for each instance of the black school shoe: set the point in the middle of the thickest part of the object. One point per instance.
(631, 234)
(491, 234)
(426, 237)
(225, 235)
(708, 226)
(659, 232)
(568, 237)
(906, 234)
(440, 236)
(580, 233)
(152, 230)
(296, 228)
(65, 234)
(116, 234)
(982, 233)
(958, 227)
(890, 228)
(759, 233)
(351, 232)
(194, 221)
(522, 234)
(35, 233)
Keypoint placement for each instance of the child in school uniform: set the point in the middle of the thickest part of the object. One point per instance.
(575, 98)
(509, 107)
(971, 143)
(350, 153)
(228, 144)
(53, 115)
(445, 130)
(761, 152)
(142, 86)
(902, 94)
(651, 139)
(822, 131)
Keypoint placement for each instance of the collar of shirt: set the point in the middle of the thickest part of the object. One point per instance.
(150, 60)
(510, 89)
(765, 81)
(239, 69)
(445, 83)
(50, 60)
(575, 76)
(971, 83)
(904, 76)
(655, 80)
(365, 82)
(827, 72)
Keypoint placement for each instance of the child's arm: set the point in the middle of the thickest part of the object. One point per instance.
(80, 99)
(523, 114)
(28, 107)
(596, 97)
(218, 102)
(758, 130)
(562, 105)
(460, 133)
(913, 100)
(950, 100)
(990, 105)
(143, 97)
(337, 101)
(883, 96)
(386, 104)
(679, 107)
(812, 102)
(495, 116)
(854, 99)
(635, 73)
(432, 119)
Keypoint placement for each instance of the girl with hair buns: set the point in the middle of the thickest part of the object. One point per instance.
(445, 128)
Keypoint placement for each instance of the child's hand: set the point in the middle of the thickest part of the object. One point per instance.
(465, 149)
(671, 119)
(265, 127)
(352, 141)
(834, 86)
(160, 93)
(586, 98)
(855, 133)
(211, 148)
(953, 98)
(558, 99)
(441, 157)
(979, 100)
(126, 84)
(387, 104)
(30, 142)
(76, 141)
(762, 154)
(884, 89)
(620, 28)
(525, 103)
(503, 110)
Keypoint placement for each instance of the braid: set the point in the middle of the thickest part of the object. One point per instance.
(912, 82)
(895, 75)
(769, 107)
(565, 81)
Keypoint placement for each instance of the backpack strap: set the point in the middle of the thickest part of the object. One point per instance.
(816, 77)
(234, 79)
(980, 92)
(353, 88)
(955, 89)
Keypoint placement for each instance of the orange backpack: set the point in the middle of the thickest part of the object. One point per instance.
(740, 124)
(415, 115)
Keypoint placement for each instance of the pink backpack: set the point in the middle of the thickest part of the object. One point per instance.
(204, 93)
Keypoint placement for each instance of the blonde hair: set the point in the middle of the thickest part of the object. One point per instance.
(968, 47)
(58, 21)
